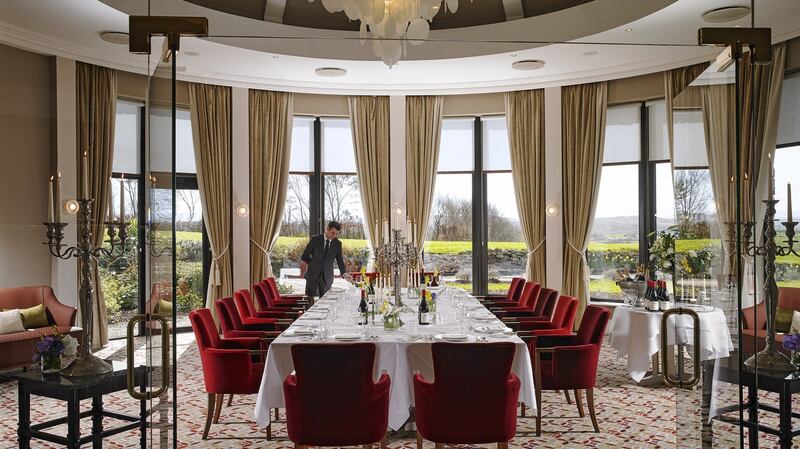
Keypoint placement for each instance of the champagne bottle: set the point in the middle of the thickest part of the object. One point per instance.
(423, 314)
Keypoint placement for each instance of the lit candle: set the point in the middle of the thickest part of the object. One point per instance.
(85, 175)
(50, 205)
(789, 216)
(57, 209)
(122, 199)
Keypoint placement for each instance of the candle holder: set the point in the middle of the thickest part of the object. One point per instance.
(396, 253)
(87, 364)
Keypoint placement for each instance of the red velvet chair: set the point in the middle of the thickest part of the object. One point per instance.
(331, 400)
(569, 362)
(531, 296)
(247, 300)
(227, 364)
(561, 323)
(517, 300)
(273, 289)
(473, 399)
(542, 311)
(232, 326)
(262, 295)
(512, 294)
(249, 324)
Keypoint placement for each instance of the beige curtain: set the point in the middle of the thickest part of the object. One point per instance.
(675, 82)
(423, 132)
(525, 118)
(583, 124)
(270, 149)
(369, 119)
(211, 130)
(96, 113)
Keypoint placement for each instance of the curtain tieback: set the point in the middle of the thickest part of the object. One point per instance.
(216, 276)
(538, 247)
(263, 250)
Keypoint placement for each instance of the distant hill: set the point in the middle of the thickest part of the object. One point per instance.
(621, 229)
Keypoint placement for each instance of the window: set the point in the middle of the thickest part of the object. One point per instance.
(787, 159)
(323, 186)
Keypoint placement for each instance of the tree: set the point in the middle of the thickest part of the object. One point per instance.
(339, 189)
(692, 195)
(296, 210)
(501, 228)
(190, 199)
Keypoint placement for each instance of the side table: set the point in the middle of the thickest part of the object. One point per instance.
(73, 390)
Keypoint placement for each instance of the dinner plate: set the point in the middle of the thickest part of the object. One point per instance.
(492, 329)
(452, 337)
(299, 331)
(412, 338)
(347, 337)
(313, 315)
(480, 317)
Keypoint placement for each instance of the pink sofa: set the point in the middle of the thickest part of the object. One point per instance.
(754, 321)
(17, 349)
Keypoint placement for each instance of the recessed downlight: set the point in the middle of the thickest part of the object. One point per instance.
(591, 53)
(114, 37)
(726, 14)
(528, 64)
(628, 30)
(330, 72)
(190, 53)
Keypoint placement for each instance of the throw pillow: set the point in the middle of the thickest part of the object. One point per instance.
(34, 317)
(795, 327)
(164, 308)
(783, 320)
(11, 322)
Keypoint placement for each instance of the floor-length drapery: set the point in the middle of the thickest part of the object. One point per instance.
(211, 131)
(525, 119)
(423, 133)
(583, 124)
(270, 150)
(369, 120)
(96, 113)
(675, 82)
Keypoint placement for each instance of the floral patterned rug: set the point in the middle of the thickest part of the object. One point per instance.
(630, 416)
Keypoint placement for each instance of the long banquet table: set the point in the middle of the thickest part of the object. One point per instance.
(399, 352)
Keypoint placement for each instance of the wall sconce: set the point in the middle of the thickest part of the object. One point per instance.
(71, 207)
(242, 210)
(551, 210)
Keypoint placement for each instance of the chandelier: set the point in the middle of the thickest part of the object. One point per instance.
(391, 23)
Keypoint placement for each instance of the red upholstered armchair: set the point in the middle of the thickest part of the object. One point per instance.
(331, 400)
(250, 324)
(227, 364)
(569, 362)
(473, 399)
(279, 298)
(262, 295)
(246, 300)
(754, 320)
(526, 294)
(561, 322)
(231, 324)
(510, 298)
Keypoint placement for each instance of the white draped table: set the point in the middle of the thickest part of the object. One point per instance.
(636, 334)
(397, 353)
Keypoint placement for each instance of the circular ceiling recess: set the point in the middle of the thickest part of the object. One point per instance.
(726, 14)
(330, 72)
(528, 64)
(114, 37)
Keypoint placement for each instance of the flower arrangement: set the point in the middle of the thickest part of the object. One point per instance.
(662, 251)
(50, 348)
(791, 342)
(697, 262)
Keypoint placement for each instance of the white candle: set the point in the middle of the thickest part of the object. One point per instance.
(109, 204)
(122, 199)
(789, 201)
(85, 175)
(50, 205)
(386, 230)
(57, 195)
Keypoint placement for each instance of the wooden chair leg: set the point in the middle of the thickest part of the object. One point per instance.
(230, 401)
(419, 440)
(502, 445)
(218, 407)
(383, 442)
(269, 432)
(209, 414)
(277, 413)
(590, 403)
(539, 407)
(566, 395)
(579, 403)
(438, 445)
(522, 409)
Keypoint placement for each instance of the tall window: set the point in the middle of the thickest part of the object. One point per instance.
(787, 159)
(323, 186)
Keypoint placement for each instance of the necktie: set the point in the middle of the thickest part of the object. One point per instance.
(327, 245)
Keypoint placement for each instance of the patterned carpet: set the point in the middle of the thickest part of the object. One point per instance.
(630, 416)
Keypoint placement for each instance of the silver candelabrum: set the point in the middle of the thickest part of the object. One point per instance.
(87, 364)
(396, 253)
(769, 358)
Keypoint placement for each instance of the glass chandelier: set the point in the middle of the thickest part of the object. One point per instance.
(391, 23)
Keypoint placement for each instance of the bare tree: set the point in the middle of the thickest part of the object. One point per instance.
(692, 195)
(296, 211)
(339, 190)
(190, 200)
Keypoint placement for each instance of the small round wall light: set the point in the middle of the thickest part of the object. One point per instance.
(242, 210)
(551, 210)
(71, 207)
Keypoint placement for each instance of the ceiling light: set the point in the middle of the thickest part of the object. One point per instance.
(513, 55)
(726, 14)
(190, 53)
(330, 72)
(528, 64)
(628, 30)
(391, 23)
(590, 53)
(114, 37)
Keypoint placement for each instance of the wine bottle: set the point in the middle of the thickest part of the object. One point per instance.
(650, 297)
(423, 314)
(663, 297)
(362, 308)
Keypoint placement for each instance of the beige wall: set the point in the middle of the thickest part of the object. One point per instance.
(636, 88)
(26, 116)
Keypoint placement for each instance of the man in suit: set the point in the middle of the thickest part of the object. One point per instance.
(317, 260)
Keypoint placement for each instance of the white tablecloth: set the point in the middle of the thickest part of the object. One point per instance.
(636, 334)
(394, 354)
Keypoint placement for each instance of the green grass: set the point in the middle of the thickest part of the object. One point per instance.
(606, 286)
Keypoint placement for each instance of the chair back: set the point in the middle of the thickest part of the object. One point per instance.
(515, 288)
(261, 294)
(225, 319)
(228, 307)
(789, 298)
(564, 314)
(527, 296)
(244, 303)
(593, 326)
(205, 331)
(272, 286)
(546, 303)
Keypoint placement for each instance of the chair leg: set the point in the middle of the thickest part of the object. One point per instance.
(230, 401)
(419, 440)
(502, 445)
(590, 403)
(522, 409)
(438, 445)
(277, 413)
(579, 403)
(566, 395)
(269, 432)
(209, 414)
(218, 407)
(539, 407)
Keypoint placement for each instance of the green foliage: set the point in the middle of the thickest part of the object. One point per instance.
(189, 250)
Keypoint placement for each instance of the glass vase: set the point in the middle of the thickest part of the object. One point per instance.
(51, 363)
(391, 322)
(794, 357)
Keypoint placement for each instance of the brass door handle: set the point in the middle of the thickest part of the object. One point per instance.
(695, 379)
(147, 395)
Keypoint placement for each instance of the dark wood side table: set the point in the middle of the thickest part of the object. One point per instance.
(73, 390)
(784, 384)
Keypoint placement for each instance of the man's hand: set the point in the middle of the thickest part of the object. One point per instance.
(303, 268)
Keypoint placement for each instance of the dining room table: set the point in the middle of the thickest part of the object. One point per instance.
(459, 318)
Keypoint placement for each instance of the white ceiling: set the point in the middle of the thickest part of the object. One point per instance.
(70, 28)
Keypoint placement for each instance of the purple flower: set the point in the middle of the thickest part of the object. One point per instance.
(791, 342)
(49, 345)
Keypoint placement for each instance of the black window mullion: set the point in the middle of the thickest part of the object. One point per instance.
(316, 202)
(647, 187)
(141, 247)
(479, 250)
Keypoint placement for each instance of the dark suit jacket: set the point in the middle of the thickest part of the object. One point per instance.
(319, 265)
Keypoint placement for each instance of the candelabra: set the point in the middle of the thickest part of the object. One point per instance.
(396, 253)
(86, 364)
